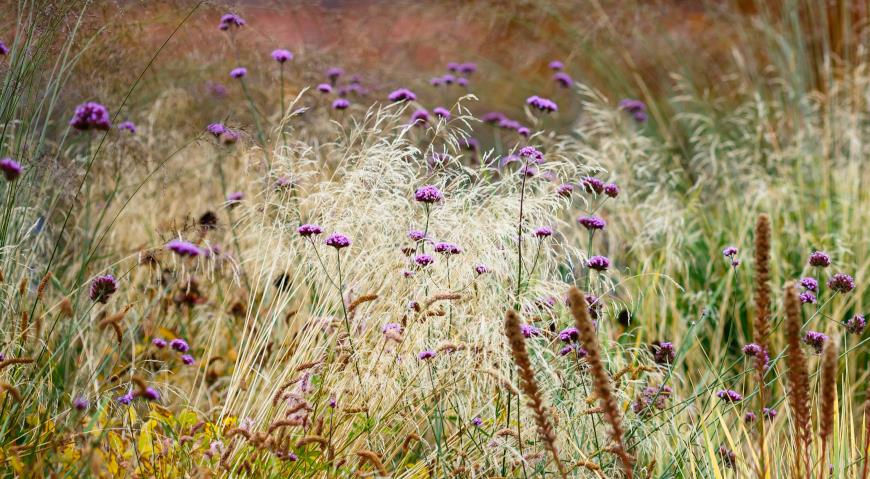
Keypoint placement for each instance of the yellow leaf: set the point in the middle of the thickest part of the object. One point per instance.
(147, 444)
(70, 454)
(187, 418)
(420, 471)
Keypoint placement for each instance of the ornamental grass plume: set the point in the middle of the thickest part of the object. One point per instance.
(513, 331)
(600, 379)
(798, 379)
(762, 281)
(828, 393)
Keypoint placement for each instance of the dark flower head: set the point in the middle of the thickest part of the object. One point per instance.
(337, 241)
(820, 259)
(420, 117)
(416, 235)
(102, 288)
(531, 154)
(856, 324)
(324, 88)
(11, 169)
(402, 94)
(481, 269)
(492, 117)
(81, 403)
(216, 129)
(598, 263)
(530, 330)
(184, 248)
(663, 352)
(436, 81)
(281, 55)
(309, 229)
(729, 458)
(340, 104)
(428, 194)
(468, 68)
(556, 65)
(524, 131)
(126, 399)
(573, 348)
(151, 394)
(729, 251)
(749, 417)
(477, 421)
(423, 260)
(754, 350)
(333, 74)
(187, 359)
(563, 79)
(91, 116)
(636, 108)
(565, 189)
(611, 190)
(816, 340)
(4, 50)
(769, 413)
(809, 283)
(543, 232)
(179, 345)
(159, 343)
(441, 112)
(592, 222)
(592, 185)
(427, 354)
(462, 81)
(238, 72)
(841, 283)
(231, 20)
(542, 104)
(729, 395)
(807, 297)
(127, 125)
(229, 137)
(447, 249)
(528, 171)
(568, 334)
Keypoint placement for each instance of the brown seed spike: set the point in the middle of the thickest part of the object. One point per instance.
(798, 377)
(530, 386)
(762, 281)
(600, 379)
(828, 395)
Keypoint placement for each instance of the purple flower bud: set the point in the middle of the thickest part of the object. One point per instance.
(532, 154)
(542, 104)
(179, 345)
(556, 65)
(563, 79)
(428, 194)
(663, 352)
(592, 185)
(565, 190)
(807, 297)
(749, 417)
(729, 395)
(151, 394)
(427, 354)
(769, 413)
(340, 104)
(159, 343)
(91, 115)
(598, 263)
(420, 117)
(810, 283)
(184, 248)
(441, 112)
(126, 399)
(611, 190)
(423, 260)
(337, 241)
(447, 249)
(530, 330)
(230, 20)
(308, 229)
(102, 287)
(324, 88)
(820, 259)
(543, 232)
(816, 340)
(333, 74)
(592, 222)
(856, 324)
(187, 359)
(216, 129)
(11, 169)
(841, 283)
(80, 403)
(481, 269)
(4, 50)
(402, 94)
(282, 56)
(729, 251)
(239, 72)
(477, 421)
(569, 334)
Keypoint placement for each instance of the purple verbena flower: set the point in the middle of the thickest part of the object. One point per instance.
(127, 125)
(663, 352)
(4, 50)
(402, 94)
(543, 232)
(340, 104)
(337, 241)
(179, 345)
(729, 395)
(532, 154)
(428, 194)
(151, 394)
(729, 251)
(598, 263)
(453, 67)
(81, 403)
(568, 334)
(420, 117)
(333, 73)
(281, 55)
(187, 359)
(492, 117)
(729, 458)
(563, 79)
(807, 297)
(102, 288)
(816, 340)
(468, 68)
(230, 20)
(759, 353)
(565, 190)
(592, 222)
(542, 104)
(238, 72)
(769, 413)
(556, 65)
(636, 108)
(159, 343)
(309, 229)
(856, 324)
(592, 185)
(216, 129)
(448, 79)
(841, 283)
(441, 112)
(91, 115)
(436, 81)
(530, 330)
(810, 283)
(126, 399)
(324, 88)
(447, 249)
(477, 421)
(749, 417)
(416, 235)
(462, 81)
(391, 327)
(481, 269)
(423, 260)
(820, 259)
(611, 190)
(427, 354)
(184, 248)
(11, 169)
